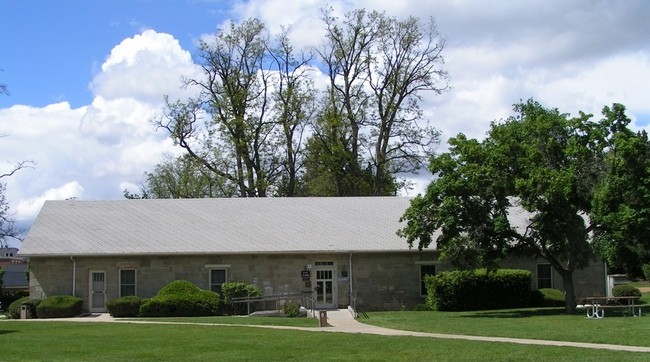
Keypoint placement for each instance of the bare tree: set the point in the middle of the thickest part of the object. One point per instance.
(294, 99)
(371, 125)
(404, 61)
(7, 229)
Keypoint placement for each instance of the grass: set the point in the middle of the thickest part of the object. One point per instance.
(244, 320)
(67, 341)
(544, 323)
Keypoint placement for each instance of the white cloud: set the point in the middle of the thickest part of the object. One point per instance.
(92, 150)
(29, 208)
(145, 68)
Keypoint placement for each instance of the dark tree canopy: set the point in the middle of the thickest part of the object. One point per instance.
(540, 161)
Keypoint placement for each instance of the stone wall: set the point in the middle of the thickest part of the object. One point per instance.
(377, 281)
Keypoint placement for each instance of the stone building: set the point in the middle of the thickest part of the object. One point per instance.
(337, 251)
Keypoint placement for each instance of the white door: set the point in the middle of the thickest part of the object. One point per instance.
(326, 295)
(97, 291)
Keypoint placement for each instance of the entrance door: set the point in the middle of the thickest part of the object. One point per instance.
(326, 296)
(97, 291)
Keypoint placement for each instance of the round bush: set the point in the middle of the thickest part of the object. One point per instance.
(13, 311)
(178, 287)
(59, 306)
(181, 299)
(291, 309)
(625, 290)
(124, 307)
(231, 290)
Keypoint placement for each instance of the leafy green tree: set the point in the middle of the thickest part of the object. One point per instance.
(527, 189)
(621, 205)
(182, 177)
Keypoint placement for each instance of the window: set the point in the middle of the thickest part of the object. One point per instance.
(217, 277)
(127, 282)
(425, 269)
(544, 276)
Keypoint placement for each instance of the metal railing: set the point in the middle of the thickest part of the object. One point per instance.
(277, 299)
(353, 305)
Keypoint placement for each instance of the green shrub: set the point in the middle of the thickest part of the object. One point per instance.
(181, 298)
(291, 309)
(59, 306)
(13, 311)
(626, 290)
(178, 287)
(478, 289)
(124, 307)
(231, 290)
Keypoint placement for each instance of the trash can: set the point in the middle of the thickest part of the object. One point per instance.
(25, 311)
(322, 318)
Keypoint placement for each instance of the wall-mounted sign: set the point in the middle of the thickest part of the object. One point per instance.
(305, 274)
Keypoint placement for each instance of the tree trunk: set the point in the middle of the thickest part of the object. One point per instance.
(570, 296)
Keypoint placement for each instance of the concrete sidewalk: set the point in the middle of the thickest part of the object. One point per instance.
(343, 321)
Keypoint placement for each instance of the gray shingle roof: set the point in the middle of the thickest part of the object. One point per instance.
(194, 226)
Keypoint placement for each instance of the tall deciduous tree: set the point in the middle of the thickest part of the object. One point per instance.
(371, 127)
(246, 126)
(621, 206)
(540, 161)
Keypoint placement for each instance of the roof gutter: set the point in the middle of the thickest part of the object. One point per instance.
(74, 276)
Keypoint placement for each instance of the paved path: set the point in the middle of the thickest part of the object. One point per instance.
(342, 321)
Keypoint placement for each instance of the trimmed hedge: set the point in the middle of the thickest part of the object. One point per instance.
(59, 306)
(479, 289)
(625, 290)
(181, 298)
(231, 290)
(124, 307)
(13, 311)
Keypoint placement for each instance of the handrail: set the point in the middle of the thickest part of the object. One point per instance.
(305, 300)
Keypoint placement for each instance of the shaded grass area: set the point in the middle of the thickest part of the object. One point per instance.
(240, 320)
(60, 341)
(542, 323)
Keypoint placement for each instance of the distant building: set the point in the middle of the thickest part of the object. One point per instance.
(14, 278)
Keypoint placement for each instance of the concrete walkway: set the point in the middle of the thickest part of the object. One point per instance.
(343, 321)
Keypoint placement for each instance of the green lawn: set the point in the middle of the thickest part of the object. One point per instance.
(68, 341)
(549, 323)
(241, 320)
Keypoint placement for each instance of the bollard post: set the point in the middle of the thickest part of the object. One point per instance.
(322, 318)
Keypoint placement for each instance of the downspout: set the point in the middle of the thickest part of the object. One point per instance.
(74, 276)
(350, 283)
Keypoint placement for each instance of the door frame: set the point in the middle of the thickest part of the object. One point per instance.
(330, 267)
(91, 292)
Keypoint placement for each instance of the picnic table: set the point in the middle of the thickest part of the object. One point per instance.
(596, 305)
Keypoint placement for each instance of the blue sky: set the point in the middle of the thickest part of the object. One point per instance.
(52, 49)
(87, 77)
